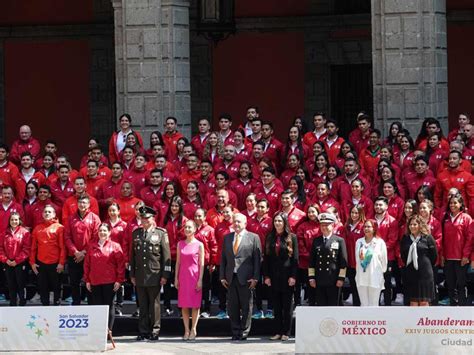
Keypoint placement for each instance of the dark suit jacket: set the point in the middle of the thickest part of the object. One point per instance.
(247, 261)
(327, 261)
(279, 268)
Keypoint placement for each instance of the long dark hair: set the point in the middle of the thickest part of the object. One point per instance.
(391, 140)
(198, 195)
(446, 216)
(426, 192)
(299, 144)
(179, 202)
(391, 182)
(176, 191)
(272, 237)
(52, 168)
(300, 193)
(430, 150)
(160, 137)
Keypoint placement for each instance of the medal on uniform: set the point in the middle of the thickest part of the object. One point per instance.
(154, 238)
(335, 245)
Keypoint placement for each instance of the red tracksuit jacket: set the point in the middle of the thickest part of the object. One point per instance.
(457, 234)
(205, 234)
(104, 265)
(305, 234)
(79, 232)
(15, 245)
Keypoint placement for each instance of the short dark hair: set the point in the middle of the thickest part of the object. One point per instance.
(126, 115)
(45, 187)
(381, 198)
(268, 123)
(259, 142)
(5, 146)
(254, 107)
(364, 117)
(171, 118)
(26, 154)
(319, 113)
(96, 163)
(224, 174)
(156, 170)
(269, 169)
(226, 116)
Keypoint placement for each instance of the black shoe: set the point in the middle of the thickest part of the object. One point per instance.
(235, 338)
(154, 337)
(136, 313)
(242, 338)
(141, 337)
(118, 312)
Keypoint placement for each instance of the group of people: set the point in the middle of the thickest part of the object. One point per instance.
(239, 215)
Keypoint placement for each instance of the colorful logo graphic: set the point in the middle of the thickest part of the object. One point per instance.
(38, 325)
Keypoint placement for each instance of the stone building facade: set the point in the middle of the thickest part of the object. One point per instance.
(388, 57)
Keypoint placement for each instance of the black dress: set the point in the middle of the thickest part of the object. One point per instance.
(419, 284)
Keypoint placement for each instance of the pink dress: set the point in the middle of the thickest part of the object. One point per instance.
(188, 275)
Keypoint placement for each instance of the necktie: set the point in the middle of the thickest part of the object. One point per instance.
(236, 243)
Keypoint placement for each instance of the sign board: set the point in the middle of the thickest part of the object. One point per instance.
(385, 330)
(68, 328)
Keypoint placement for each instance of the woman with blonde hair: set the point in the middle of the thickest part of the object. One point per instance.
(214, 148)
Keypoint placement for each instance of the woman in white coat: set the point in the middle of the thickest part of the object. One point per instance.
(371, 257)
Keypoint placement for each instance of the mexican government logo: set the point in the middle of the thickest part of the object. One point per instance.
(38, 325)
(328, 327)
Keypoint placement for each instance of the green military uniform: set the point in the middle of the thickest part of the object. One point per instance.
(150, 261)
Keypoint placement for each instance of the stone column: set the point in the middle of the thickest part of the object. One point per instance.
(152, 62)
(409, 59)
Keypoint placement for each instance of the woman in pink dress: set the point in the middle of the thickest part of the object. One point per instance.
(188, 279)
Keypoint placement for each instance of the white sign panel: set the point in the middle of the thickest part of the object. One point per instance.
(385, 330)
(70, 328)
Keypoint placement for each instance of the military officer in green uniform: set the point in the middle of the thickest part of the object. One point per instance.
(150, 265)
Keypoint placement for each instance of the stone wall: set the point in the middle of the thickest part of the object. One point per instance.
(152, 62)
(409, 62)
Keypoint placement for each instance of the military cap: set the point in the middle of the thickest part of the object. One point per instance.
(327, 218)
(146, 212)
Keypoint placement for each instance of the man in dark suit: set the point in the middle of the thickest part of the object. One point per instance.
(327, 263)
(239, 273)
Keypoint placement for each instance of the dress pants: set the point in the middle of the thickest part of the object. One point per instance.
(76, 272)
(16, 283)
(48, 279)
(218, 289)
(327, 295)
(104, 295)
(456, 276)
(283, 309)
(239, 307)
(206, 290)
(351, 272)
(262, 291)
(168, 289)
(369, 296)
(387, 293)
(149, 320)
